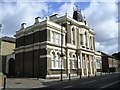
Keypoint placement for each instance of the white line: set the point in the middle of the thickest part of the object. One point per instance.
(109, 84)
(63, 87)
(89, 82)
(108, 77)
(67, 87)
(105, 78)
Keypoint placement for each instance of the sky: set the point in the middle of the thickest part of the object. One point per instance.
(102, 16)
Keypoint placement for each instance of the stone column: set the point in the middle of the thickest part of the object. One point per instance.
(91, 65)
(94, 68)
(78, 61)
(81, 64)
(93, 43)
(86, 63)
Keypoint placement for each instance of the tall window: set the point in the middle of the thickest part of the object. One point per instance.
(56, 61)
(53, 37)
(85, 38)
(56, 38)
(73, 36)
(81, 39)
(90, 42)
(53, 59)
(62, 39)
(73, 62)
(98, 63)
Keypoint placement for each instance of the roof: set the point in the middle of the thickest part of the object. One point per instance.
(104, 54)
(9, 39)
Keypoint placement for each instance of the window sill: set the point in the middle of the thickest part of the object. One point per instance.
(73, 68)
(83, 46)
(57, 68)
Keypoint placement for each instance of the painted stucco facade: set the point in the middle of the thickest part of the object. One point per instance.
(39, 48)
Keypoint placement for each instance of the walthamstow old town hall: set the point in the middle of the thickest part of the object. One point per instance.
(56, 44)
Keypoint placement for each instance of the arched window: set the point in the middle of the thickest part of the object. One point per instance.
(81, 39)
(53, 60)
(73, 36)
(90, 42)
(73, 61)
(56, 61)
(11, 69)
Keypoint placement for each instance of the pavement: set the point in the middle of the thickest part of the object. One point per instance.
(106, 81)
(35, 82)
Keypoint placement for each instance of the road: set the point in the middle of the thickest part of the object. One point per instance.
(95, 83)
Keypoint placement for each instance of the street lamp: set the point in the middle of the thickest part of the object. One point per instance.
(61, 55)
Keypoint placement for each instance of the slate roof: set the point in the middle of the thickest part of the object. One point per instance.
(8, 39)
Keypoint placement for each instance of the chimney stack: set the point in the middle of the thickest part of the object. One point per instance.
(37, 20)
(47, 18)
(23, 25)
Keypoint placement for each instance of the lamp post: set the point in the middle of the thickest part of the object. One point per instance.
(61, 55)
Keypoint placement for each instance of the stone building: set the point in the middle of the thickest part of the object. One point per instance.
(7, 50)
(98, 61)
(109, 64)
(56, 44)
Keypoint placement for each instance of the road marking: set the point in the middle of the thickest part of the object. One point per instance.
(89, 82)
(105, 78)
(67, 87)
(108, 77)
(109, 84)
(63, 87)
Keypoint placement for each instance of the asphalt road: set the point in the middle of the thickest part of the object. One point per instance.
(93, 83)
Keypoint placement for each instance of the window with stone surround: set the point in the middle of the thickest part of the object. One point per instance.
(90, 42)
(73, 36)
(81, 39)
(56, 61)
(73, 62)
(56, 38)
(86, 38)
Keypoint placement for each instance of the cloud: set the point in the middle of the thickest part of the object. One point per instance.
(66, 7)
(13, 14)
(102, 17)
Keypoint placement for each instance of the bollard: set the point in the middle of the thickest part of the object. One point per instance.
(95, 74)
(101, 73)
(80, 75)
(69, 77)
(88, 74)
(4, 82)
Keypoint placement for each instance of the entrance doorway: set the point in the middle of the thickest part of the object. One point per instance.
(11, 68)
